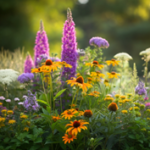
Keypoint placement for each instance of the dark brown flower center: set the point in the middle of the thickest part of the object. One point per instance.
(88, 113)
(89, 79)
(113, 73)
(80, 80)
(106, 81)
(113, 60)
(95, 62)
(98, 72)
(76, 124)
(76, 109)
(39, 69)
(48, 62)
(69, 112)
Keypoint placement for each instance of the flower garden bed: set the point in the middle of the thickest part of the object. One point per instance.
(78, 102)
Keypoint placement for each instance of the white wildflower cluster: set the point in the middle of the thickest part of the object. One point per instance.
(146, 52)
(123, 56)
(8, 75)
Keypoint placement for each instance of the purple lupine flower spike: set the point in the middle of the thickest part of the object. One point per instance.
(69, 47)
(99, 42)
(41, 44)
(28, 65)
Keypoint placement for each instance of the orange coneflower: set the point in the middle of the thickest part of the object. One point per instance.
(123, 97)
(79, 113)
(88, 113)
(55, 118)
(94, 93)
(68, 114)
(112, 106)
(113, 62)
(68, 137)
(95, 64)
(73, 105)
(106, 82)
(36, 70)
(64, 64)
(113, 75)
(79, 82)
(49, 66)
(97, 74)
(108, 99)
(76, 126)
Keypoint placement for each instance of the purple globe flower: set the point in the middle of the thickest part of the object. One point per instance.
(99, 42)
(140, 89)
(28, 65)
(41, 44)
(69, 47)
(25, 77)
(30, 102)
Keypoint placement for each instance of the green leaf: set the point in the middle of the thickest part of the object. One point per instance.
(42, 101)
(132, 137)
(38, 140)
(59, 93)
(6, 140)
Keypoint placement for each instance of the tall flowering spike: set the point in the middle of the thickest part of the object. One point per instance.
(41, 44)
(69, 47)
(28, 64)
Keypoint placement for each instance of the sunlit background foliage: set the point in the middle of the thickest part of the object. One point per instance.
(125, 24)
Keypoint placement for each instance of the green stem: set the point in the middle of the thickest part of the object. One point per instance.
(74, 97)
(51, 91)
(146, 72)
(60, 104)
(44, 89)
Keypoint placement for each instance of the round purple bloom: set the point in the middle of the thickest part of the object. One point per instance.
(28, 65)
(41, 44)
(100, 42)
(25, 77)
(140, 89)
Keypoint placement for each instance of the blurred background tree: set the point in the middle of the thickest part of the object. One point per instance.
(125, 24)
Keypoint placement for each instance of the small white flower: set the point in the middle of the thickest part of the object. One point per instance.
(123, 56)
(16, 99)
(146, 52)
(20, 103)
(8, 100)
(8, 75)
(2, 98)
